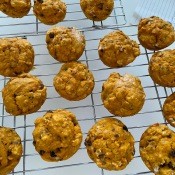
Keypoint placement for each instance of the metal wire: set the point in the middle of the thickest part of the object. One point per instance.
(23, 125)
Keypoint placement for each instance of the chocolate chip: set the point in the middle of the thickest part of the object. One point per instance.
(87, 142)
(58, 149)
(74, 121)
(163, 165)
(101, 156)
(52, 154)
(40, 1)
(169, 136)
(116, 135)
(103, 88)
(172, 153)
(100, 6)
(34, 142)
(41, 152)
(125, 128)
(9, 153)
(70, 27)
(153, 17)
(51, 35)
(101, 50)
(41, 86)
(170, 165)
(41, 15)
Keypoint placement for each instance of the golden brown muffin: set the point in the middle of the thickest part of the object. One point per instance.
(24, 94)
(154, 33)
(16, 56)
(157, 149)
(97, 10)
(57, 135)
(65, 44)
(169, 109)
(110, 145)
(117, 50)
(123, 95)
(162, 68)
(15, 8)
(10, 150)
(74, 81)
(49, 11)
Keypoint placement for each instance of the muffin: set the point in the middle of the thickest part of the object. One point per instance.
(74, 81)
(15, 8)
(123, 95)
(65, 44)
(154, 33)
(49, 11)
(24, 94)
(10, 150)
(97, 10)
(169, 109)
(16, 56)
(162, 68)
(110, 145)
(57, 135)
(157, 149)
(117, 50)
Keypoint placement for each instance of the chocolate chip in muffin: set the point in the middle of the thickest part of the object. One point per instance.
(100, 6)
(40, 1)
(41, 152)
(51, 35)
(34, 142)
(87, 142)
(125, 128)
(52, 154)
(172, 153)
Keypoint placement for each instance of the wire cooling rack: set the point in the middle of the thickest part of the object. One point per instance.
(90, 109)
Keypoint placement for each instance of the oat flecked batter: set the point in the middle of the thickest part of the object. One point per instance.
(10, 150)
(117, 50)
(16, 56)
(97, 10)
(162, 68)
(57, 135)
(157, 149)
(169, 109)
(65, 44)
(154, 33)
(123, 95)
(15, 8)
(49, 12)
(74, 81)
(110, 145)
(24, 94)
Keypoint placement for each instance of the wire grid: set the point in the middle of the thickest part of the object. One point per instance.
(89, 110)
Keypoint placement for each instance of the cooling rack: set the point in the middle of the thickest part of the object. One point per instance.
(89, 110)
